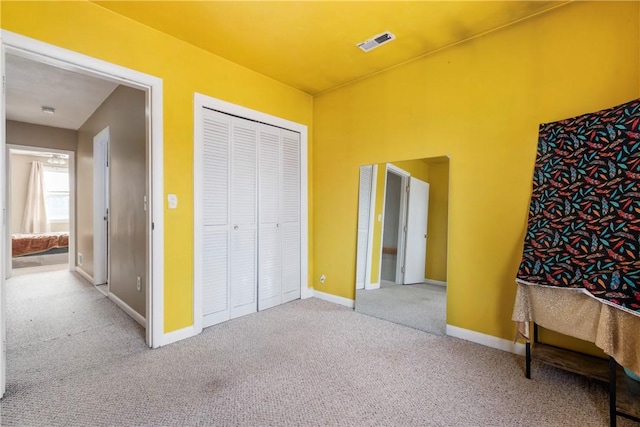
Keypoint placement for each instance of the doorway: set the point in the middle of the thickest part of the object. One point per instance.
(41, 209)
(393, 230)
(86, 68)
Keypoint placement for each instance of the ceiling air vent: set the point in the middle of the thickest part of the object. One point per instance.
(376, 41)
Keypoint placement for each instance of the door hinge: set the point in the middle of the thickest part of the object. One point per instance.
(407, 189)
(402, 269)
(405, 228)
(153, 226)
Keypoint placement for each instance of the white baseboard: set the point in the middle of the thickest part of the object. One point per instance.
(175, 336)
(486, 340)
(306, 292)
(84, 274)
(130, 311)
(334, 299)
(435, 282)
(370, 286)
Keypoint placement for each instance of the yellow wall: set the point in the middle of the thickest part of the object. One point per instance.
(479, 102)
(437, 227)
(89, 29)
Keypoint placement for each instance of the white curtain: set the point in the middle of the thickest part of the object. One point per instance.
(35, 210)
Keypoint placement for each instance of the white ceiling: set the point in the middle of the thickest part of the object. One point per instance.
(32, 85)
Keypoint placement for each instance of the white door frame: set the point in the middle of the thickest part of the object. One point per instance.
(3, 247)
(369, 249)
(372, 216)
(53, 55)
(201, 101)
(404, 175)
(72, 197)
(101, 212)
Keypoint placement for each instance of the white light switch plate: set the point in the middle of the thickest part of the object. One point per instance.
(173, 201)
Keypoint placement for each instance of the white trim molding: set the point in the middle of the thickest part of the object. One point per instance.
(42, 52)
(486, 340)
(179, 335)
(371, 286)
(84, 275)
(435, 282)
(334, 299)
(127, 309)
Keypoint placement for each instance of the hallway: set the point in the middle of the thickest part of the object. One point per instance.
(58, 325)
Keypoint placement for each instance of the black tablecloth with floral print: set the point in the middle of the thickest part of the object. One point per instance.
(584, 217)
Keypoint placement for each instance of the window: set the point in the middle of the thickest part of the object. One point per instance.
(56, 193)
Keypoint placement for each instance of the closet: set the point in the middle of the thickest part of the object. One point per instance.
(250, 210)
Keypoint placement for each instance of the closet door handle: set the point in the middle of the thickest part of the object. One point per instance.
(277, 225)
(235, 227)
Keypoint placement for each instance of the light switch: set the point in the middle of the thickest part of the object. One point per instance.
(173, 201)
(379, 217)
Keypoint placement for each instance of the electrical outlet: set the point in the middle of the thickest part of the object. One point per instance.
(138, 283)
(323, 278)
(80, 259)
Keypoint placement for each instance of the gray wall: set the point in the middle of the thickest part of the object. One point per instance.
(20, 133)
(392, 211)
(391, 222)
(124, 112)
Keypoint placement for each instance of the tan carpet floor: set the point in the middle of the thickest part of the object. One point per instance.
(74, 359)
(421, 306)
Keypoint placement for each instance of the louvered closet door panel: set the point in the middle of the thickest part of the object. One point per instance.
(364, 209)
(242, 256)
(290, 262)
(215, 301)
(215, 213)
(290, 225)
(269, 256)
(216, 138)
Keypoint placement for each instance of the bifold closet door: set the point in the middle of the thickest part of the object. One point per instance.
(216, 131)
(243, 218)
(290, 214)
(251, 217)
(229, 232)
(269, 232)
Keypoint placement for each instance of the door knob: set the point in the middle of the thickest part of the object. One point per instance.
(235, 227)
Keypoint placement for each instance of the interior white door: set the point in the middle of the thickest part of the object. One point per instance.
(290, 227)
(242, 254)
(101, 206)
(3, 253)
(216, 137)
(416, 238)
(364, 211)
(269, 234)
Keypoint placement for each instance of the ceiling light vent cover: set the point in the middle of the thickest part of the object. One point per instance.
(376, 41)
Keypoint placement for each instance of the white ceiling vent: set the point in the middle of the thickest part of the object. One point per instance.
(376, 41)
